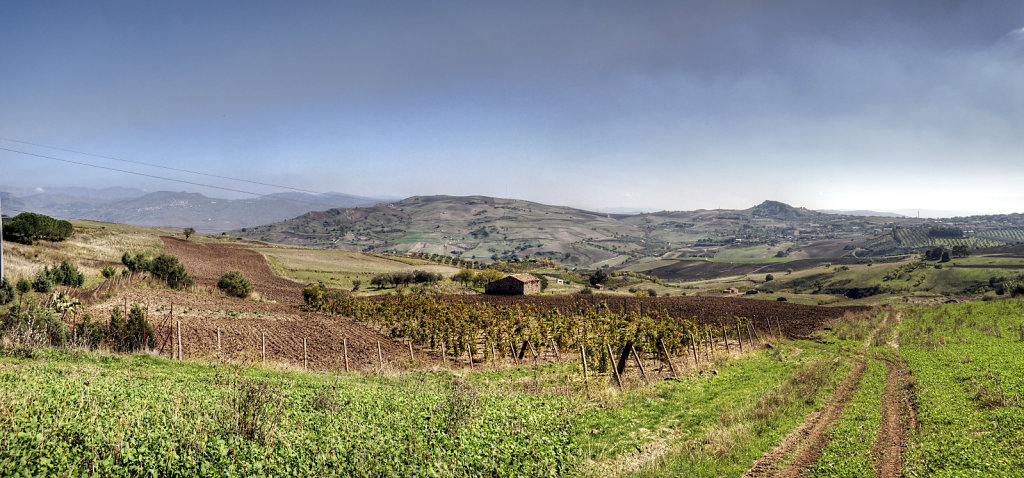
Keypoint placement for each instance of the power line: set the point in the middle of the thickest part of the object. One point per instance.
(200, 173)
(108, 168)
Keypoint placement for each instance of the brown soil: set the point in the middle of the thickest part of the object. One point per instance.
(809, 438)
(208, 262)
(243, 323)
(898, 417)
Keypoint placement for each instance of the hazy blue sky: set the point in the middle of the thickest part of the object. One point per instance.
(664, 105)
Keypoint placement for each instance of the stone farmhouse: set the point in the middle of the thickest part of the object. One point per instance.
(515, 284)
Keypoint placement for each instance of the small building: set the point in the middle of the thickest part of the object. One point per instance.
(515, 284)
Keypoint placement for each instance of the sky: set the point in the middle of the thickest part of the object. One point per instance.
(678, 105)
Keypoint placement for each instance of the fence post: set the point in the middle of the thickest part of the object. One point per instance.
(693, 347)
(263, 353)
(344, 347)
(412, 358)
(725, 335)
(181, 354)
(469, 353)
(380, 358)
(515, 356)
(583, 358)
(305, 355)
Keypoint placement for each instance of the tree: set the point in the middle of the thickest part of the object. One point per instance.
(487, 276)
(356, 284)
(961, 250)
(464, 277)
(945, 256)
(188, 231)
(235, 284)
(769, 278)
(598, 277)
(27, 228)
(6, 291)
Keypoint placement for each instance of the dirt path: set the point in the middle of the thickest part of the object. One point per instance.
(898, 416)
(808, 439)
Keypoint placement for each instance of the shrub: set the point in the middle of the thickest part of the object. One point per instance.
(235, 284)
(32, 327)
(6, 291)
(108, 271)
(91, 333)
(131, 334)
(165, 267)
(42, 282)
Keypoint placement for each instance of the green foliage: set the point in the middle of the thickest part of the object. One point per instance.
(402, 278)
(23, 286)
(108, 271)
(598, 277)
(32, 327)
(6, 291)
(235, 284)
(164, 266)
(27, 227)
(769, 278)
(132, 333)
(208, 420)
(487, 276)
(90, 332)
(42, 283)
(464, 277)
(188, 231)
(968, 386)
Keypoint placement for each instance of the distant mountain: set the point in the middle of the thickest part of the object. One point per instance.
(860, 213)
(180, 209)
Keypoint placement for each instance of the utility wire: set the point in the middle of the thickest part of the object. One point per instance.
(108, 168)
(200, 173)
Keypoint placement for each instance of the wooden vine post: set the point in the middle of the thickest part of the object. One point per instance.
(469, 353)
(412, 358)
(305, 355)
(615, 370)
(668, 358)
(738, 336)
(693, 347)
(219, 355)
(515, 356)
(583, 359)
(263, 347)
(639, 364)
(725, 335)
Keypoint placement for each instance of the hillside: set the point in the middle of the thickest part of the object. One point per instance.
(175, 209)
(484, 228)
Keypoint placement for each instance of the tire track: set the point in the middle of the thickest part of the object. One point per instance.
(807, 440)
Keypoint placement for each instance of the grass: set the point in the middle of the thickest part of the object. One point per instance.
(968, 365)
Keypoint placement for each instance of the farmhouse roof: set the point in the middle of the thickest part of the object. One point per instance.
(525, 278)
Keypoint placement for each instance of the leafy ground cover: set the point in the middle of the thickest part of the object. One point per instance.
(78, 413)
(968, 364)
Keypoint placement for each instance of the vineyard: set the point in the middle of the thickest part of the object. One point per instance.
(918, 237)
(480, 327)
(1003, 235)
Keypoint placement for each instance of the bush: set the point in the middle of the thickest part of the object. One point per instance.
(91, 333)
(27, 228)
(132, 334)
(108, 271)
(6, 291)
(42, 282)
(235, 284)
(33, 327)
(164, 266)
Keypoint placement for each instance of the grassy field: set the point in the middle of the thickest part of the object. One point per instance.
(340, 268)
